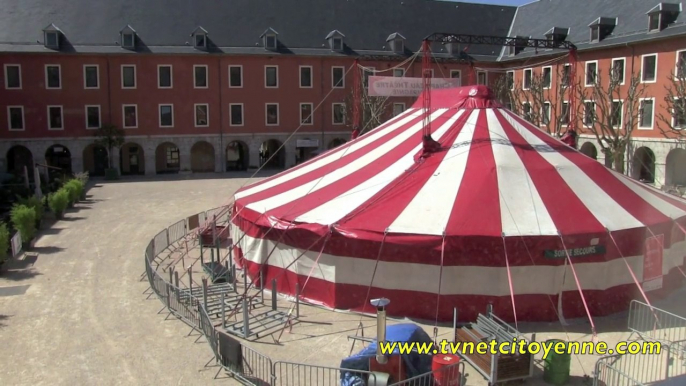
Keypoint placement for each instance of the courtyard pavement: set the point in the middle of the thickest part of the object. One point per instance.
(77, 315)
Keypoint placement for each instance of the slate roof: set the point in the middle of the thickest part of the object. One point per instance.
(235, 26)
(535, 19)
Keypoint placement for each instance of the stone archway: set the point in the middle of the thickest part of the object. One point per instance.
(643, 165)
(167, 158)
(131, 159)
(269, 148)
(19, 156)
(95, 159)
(202, 157)
(336, 143)
(590, 150)
(58, 156)
(237, 156)
(676, 168)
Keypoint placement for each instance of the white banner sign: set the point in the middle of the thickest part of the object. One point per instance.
(16, 244)
(408, 87)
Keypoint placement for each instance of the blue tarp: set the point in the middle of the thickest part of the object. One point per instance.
(415, 364)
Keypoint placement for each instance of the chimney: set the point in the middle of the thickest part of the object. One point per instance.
(380, 305)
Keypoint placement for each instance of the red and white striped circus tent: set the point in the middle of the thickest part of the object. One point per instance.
(503, 213)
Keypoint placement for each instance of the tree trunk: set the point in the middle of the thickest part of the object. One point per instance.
(619, 161)
(609, 159)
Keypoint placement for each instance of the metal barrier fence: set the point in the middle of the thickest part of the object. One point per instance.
(448, 375)
(607, 375)
(296, 374)
(176, 231)
(639, 369)
(652, 323)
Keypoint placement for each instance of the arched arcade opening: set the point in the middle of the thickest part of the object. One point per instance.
(237, 156)
(131, 159)
(336, 143)
(95, 159)
(58, 156)
(675, 171)
(269, 148)
(167, 158)
(202, 157)
(590, 150)
(643, 165)
(18, 157)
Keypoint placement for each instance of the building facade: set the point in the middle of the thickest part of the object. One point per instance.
(194, 92)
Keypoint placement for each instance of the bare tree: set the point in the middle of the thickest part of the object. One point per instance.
(373, 110)
(611, 112)
(672, 119)
(538, 98)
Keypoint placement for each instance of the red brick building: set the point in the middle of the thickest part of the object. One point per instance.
(200, 86)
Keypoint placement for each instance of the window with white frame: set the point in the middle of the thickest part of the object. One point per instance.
(337, 77)
(680, 65)
(456, 74)
(202, 114)
(271, 76)
(595, 34)
(164, 76)
(200, 76)
(564, 113)
(398, 72)
(55, 121)
(12, 76)
(166, 115)
(618, 70)
(654, 22)
(646, 113)
(272, 114)
(589, 113)
(679, 113)
(236, 76)
(305, 77)
(649, 68)
(130, 113)
(509, 78)
(482, 78)
(53, 76)
(616, 113)
(91, 76)
(128, 76)
(128, 40)
(545, 113)
(306, 113)
(591, 73)
(526, 109)
(337, 44)
(398, 109)
(566, 79)
(528, 74)
(338, 113)
(236, 114)
(15, 117)
(93, 117)
(547, 77)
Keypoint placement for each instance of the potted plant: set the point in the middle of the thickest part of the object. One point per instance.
(24, 220)
(83, 177)
(74, 188)
(58, 202)
(110, 136)
(37, 205)
(4, 242)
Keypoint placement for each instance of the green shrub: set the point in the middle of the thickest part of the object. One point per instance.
(58, 202)
(4, 241)
(24, 220)
(83, 177)
(73, 187)
(33, 202)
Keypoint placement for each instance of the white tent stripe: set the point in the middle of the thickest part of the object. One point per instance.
(394, 124)
(429, 211)
(338, 174)
(522, 210)
(656, 202)
(605, 209)
(338, 207)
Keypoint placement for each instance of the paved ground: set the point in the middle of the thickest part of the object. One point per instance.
(83, 319)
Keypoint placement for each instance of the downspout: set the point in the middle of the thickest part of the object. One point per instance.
(626, 158)
(321, 93)
(221, 117)
(109, 91)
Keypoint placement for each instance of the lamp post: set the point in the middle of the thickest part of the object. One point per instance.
(380, 305)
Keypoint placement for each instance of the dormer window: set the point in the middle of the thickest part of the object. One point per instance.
(601, 28)
(557, 35)
(335, 39)
(517, 47)
(270, 41)
(662, 15)
(128, 37)
(51, 36)
(200, 38)
(396, 42)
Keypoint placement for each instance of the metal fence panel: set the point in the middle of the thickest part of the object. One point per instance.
(176, 231)
(298, 374)
(256, 367)
(656, 324)
(161, 242)
(607, 375)
(450, 375)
